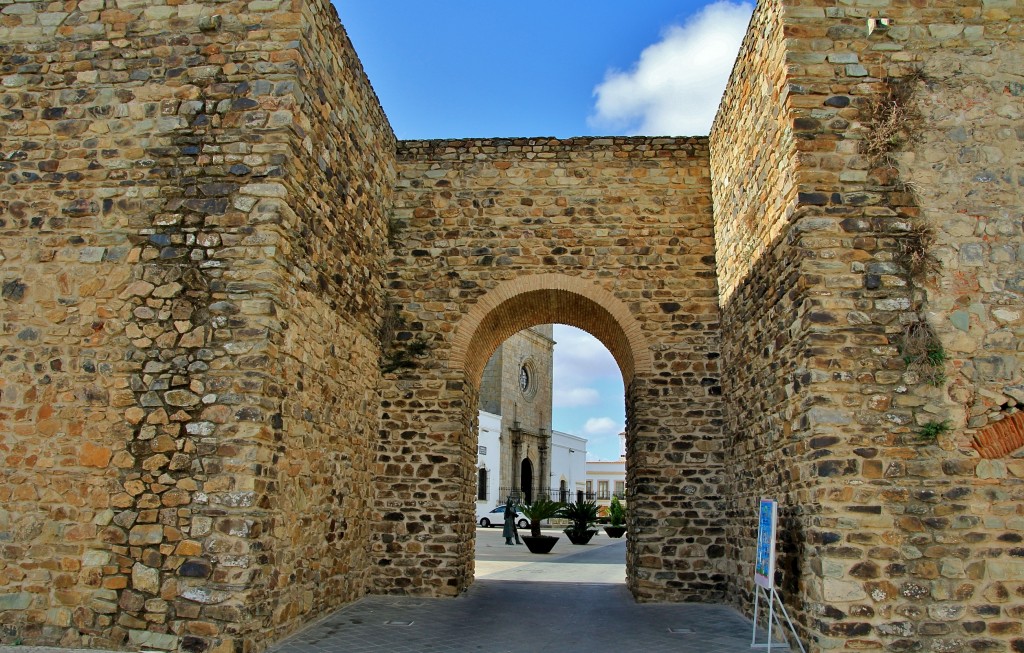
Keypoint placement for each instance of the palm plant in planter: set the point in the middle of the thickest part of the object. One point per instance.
(583, 515)
(616, 519)
(541, 509)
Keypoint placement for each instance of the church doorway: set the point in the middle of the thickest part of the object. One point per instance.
(526, 480)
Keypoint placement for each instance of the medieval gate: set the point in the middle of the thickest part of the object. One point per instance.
(243, 326)
(596, 233)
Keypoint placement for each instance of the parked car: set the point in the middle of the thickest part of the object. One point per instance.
(496, 517)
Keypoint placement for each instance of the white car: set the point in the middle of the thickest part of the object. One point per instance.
(496, 517)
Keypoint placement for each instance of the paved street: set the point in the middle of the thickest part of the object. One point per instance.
(573, 600)
(604, 562)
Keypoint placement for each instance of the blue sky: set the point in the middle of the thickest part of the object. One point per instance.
(489, 68)
(587, 391)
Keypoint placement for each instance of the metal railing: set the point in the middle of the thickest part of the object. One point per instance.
(555, 494)
(520, 495)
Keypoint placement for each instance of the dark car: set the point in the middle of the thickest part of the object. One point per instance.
(496, 517)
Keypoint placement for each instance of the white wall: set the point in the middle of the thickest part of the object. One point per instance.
(490, 440)
(568, 462)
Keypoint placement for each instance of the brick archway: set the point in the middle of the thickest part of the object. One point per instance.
(548, 298)
(614, 237)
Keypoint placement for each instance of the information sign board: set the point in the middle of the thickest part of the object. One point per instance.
(764, 563)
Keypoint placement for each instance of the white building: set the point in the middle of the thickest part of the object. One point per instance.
(607, 478)
(568, 466)
(488, 464)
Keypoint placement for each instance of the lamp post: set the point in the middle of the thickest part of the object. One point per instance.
(542, 448)
(517, 446)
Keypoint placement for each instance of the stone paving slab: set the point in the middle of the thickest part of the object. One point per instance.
(526, 617)
(574, 601)
(604, 562)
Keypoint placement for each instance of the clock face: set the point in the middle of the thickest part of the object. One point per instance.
(524, 378)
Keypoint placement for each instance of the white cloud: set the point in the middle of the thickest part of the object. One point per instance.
(587, 381)
(675, 87)
(580, 358)
(601, 426)
(574, 397)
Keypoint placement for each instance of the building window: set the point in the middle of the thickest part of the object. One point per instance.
(590, 489)
(481, 485)
(563, 492)
(602, 490)
(528, 379)
(620, 489)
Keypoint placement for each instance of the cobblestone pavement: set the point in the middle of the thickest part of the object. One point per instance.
(573, 601)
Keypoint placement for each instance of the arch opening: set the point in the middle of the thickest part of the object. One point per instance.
(546, 299)
(671, 413)
(526, 304)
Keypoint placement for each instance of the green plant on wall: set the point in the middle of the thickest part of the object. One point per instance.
(894, 121)
(922, 352)
(932, 430)
(404, 358)
(399, 349)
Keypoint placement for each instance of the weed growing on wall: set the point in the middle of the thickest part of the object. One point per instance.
(933, 430)
(404, 358)
(893, 122)
(915, 252)
(399, 348)
(923, 352)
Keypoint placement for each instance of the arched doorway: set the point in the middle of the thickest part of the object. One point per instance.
(677, 531)
(526, 480)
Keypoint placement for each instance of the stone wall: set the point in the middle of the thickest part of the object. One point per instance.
(892, 540)
(108, 189)
(764, 347)
(482, 227)
(753, 154)
(161, 165)
(491, 384)
(331, 243)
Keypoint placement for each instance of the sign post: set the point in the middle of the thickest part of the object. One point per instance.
(764, 575)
